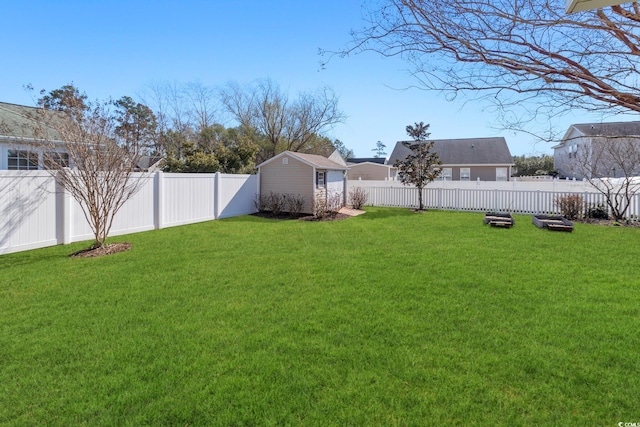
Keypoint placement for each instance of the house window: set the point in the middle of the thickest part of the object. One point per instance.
(320, 178)
(285, 160)
(465, 174)
(501, 174)
(22, 160)
(446, 174)
(56, 160)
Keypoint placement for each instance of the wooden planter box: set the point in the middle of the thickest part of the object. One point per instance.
(499, 219)
(553, 222)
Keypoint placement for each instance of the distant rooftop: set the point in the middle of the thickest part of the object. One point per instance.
(354, 160)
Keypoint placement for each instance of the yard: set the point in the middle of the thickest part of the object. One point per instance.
(389, 318)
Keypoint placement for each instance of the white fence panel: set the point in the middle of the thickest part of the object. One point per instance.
(236, 195)
(27, 211)
(137, 214)
(187, 198)
(35, 213)
(479, 197)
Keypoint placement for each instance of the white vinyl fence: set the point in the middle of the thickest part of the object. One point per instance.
(35, 212)
(512, 196)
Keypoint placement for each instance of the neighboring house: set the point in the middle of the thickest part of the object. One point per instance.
(371, 171)
(20, 149)
(308, 175)
(378, 160)
(470, 159)
(149, 164)
(590, 137)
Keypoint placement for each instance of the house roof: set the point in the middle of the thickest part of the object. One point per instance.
(313, 160)
(609, 129)
(20, 121)
(468, 151)
(601, 129)
(354, 160)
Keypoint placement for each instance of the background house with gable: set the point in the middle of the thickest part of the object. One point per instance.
(591, 136)
(20, 148)
(311, 176)
(468, 159)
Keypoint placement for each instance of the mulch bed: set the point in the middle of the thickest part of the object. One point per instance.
(302, 217)
(609, 222)
(111, 248)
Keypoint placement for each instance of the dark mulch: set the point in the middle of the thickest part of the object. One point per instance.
(111, 248)
(301, 217)
(609, 222)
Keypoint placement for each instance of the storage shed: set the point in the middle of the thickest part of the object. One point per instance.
(311, 176)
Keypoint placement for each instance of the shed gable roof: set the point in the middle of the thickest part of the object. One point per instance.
(313, 160)
(467, 151)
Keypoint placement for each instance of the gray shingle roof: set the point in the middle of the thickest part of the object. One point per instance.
(319, 161)
(609, 129)
(355, 160)
(314, 160)
(20, 121)
(468, 151)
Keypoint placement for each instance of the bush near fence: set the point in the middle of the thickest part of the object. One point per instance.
(512, 197)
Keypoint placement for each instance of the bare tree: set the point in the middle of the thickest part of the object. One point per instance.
(525, 55)
(203, 102)
(88, 158)
(421, 166)
(287, 125)
(611, 165)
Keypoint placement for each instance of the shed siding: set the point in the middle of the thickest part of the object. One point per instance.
(367, 171)
(293, 178)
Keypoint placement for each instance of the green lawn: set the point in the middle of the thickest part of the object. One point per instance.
(390, 318)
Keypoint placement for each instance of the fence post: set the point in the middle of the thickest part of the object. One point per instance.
(158, 206)
(63, 214)
(537, 201)
(216, 195)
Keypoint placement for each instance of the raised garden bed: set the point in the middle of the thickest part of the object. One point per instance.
(496, 219)
(553, 222)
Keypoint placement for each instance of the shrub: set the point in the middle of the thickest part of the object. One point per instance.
(261, 202)
(320, 208)
(275, 203)
(294, 203)
(334, 202)
(358, 197)
(598, 211)
(571, 205)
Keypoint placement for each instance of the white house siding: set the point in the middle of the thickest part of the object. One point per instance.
(564, 153)
(294, 177)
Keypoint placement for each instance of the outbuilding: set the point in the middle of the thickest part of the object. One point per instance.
(315, 178)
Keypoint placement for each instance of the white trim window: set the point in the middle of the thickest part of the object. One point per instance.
(501, 174)
(320, 179)
(446, 174)
(22, 160)
(465, 174)
(55, 160)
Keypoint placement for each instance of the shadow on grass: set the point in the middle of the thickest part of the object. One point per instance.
(380, 213)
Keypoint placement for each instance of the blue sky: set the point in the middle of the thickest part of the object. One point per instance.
(117, 48)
